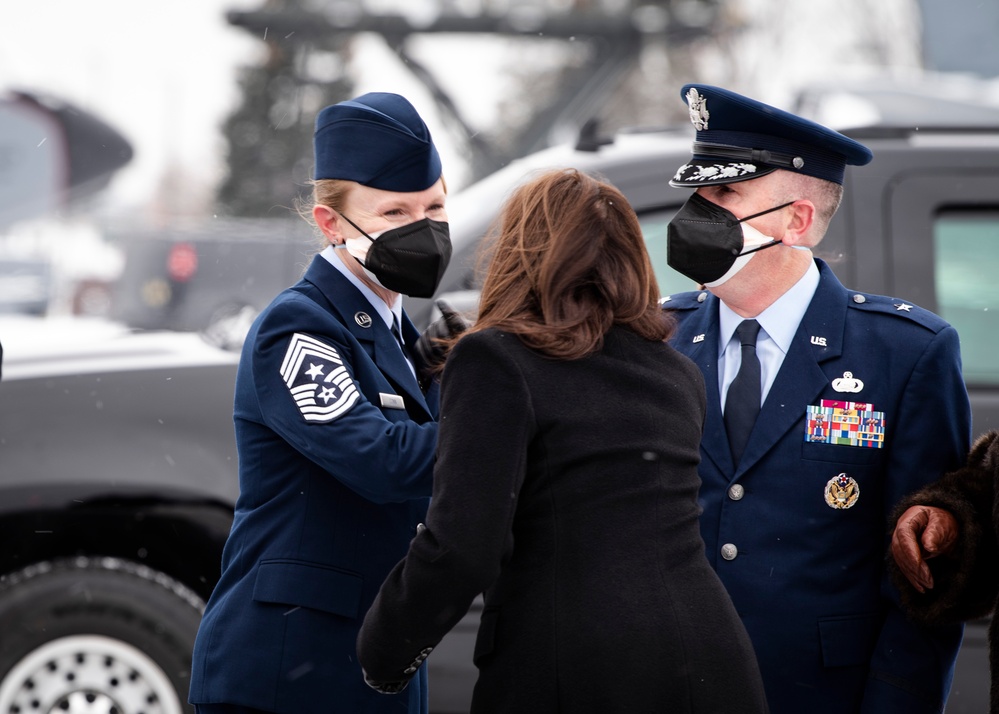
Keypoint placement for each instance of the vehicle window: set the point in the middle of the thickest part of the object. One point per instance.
(966, 248)
(654, 225)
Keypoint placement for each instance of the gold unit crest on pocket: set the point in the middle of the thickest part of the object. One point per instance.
(842, 492)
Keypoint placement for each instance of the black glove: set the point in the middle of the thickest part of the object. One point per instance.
(429, 352)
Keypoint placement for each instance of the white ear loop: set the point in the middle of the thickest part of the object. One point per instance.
(358, 247)
(751, 238)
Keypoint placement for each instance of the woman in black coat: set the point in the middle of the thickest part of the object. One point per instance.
(566, 485)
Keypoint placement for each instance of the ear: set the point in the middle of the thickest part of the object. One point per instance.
(802, 217)
(328, 221)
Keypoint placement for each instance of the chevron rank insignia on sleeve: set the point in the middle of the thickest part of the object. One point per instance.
(317, 379)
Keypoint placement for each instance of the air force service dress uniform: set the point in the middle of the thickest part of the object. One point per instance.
(336, 445)
(868, 405)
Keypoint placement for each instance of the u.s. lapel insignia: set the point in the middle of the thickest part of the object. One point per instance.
(842, 492)
(847, 383)
(698, 338)
(820, 341)
(363, 319)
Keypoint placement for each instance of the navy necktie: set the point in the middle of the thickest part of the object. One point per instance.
(397, 333)
(742, 405)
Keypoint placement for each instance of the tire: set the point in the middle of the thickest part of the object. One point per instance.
(91, 635)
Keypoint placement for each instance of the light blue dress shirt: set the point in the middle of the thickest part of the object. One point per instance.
(778, 323)
(377, 304)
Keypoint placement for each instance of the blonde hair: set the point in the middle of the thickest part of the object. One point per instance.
(333, 194)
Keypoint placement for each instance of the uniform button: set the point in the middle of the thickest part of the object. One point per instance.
(736, 492)
(859, 299)
(729, 551)
(420, 528)
(702, 297)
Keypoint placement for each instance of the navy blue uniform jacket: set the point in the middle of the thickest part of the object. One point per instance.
(808, 579)
(336, 446)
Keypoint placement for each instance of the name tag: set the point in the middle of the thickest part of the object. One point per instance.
(391, 401)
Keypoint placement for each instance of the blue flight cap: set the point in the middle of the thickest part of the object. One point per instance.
(739, 138)
(377, 140)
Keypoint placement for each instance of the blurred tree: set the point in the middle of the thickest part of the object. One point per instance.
(572, 58)
(623, 77)
(269, 135)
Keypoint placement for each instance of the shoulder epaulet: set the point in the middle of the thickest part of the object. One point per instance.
(684, 301)
(897, 308)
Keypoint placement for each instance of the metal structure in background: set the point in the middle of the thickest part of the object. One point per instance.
(615, 40)
(51, 154)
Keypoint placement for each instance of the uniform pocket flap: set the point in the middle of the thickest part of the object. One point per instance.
(841, 454)
(848, 640)
(320, 587)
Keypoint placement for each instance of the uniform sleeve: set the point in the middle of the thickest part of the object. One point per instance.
(302, 365)
(912, 665)
(486, 425)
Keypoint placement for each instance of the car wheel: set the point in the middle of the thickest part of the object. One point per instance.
(95, 635)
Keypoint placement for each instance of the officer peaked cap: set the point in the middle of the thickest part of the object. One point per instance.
(377, 140)
(738, 138)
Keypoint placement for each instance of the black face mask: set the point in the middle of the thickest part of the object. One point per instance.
(410, 259)
(704, 240)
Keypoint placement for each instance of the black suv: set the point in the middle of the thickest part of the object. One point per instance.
(117, 456)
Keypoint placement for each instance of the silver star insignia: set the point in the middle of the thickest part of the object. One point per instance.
(327, 394)
(902, 307)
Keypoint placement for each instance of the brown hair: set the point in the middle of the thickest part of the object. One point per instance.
(568, 262)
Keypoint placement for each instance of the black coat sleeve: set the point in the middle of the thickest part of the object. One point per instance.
(485, 426)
